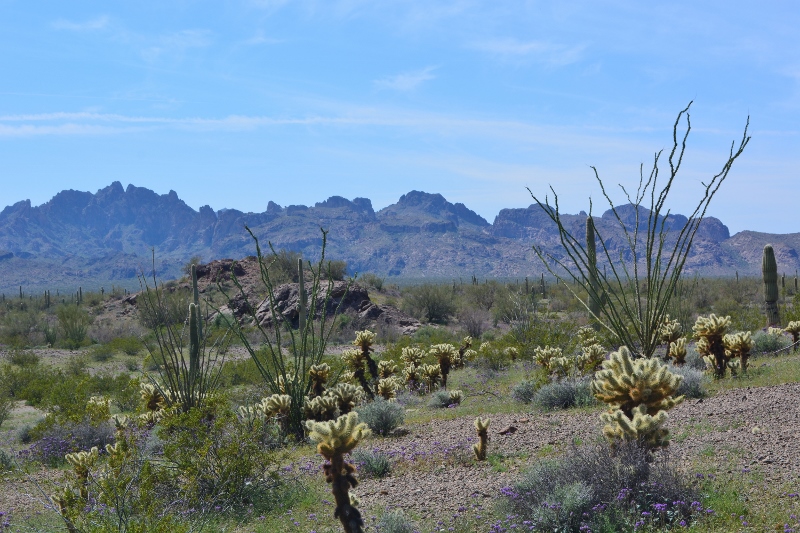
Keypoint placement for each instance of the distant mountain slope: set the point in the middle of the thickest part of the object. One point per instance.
(80, 238)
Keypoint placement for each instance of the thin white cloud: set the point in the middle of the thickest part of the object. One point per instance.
(90, 25)
(260, 38)
(406, 81)
(540, 51)
(177, 43)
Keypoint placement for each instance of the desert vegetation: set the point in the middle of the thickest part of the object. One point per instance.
(254, 397)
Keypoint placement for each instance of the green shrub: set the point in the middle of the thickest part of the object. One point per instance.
(19, 326)
(396, 522)
(371, 280)
(74, 323)
(766, 343)
(431, 303)
(694, 381)
(372, 463)
(241, 372)
(23, 358)
(526, 391)
(564, 394)
(161, 307)
(129, 345)
(101, 352)
(382, 416)
(443, 399)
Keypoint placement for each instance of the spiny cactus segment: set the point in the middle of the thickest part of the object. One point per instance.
(319, 377)
(590, 358)
(461, 360)
(669, 332)
(709, 332)
(793, 328)
(347, 396)
(355, 359)
(387, 388)
(412, 356)
(445, 354)
(543, 355)
(677, 350)
(633, 389)
(386, 369)
(482, 429)
(738, 345)
(431, 375)
(364, 341)
(321, 408)
(335, 439)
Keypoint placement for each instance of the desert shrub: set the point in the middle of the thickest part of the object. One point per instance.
(395, 522)
(429, 302)
(7, 461)
(371, 280)
(372, 463)
(443, 399)
(474, 321)
(23, 358)
(382, 416)
(162, 308)
(19, 326)
(336, 270)
(694, 381)
(217, 455)
(766, 342)
(600, 488)
(127, 395)
(6, 405)
(695, 360)
(526, 391)
(429, 335)
(74, 323)
(241, 372)
(57, 440)
(101, 352)
(129, 345)
(564, 394)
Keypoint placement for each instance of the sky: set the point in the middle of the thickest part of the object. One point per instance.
(234, 104)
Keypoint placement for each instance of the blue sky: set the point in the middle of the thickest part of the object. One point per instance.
(237, 103)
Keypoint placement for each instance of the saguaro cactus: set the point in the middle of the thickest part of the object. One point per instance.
(769, 271)
(595, 289)
(639, 392)
(336, 439)
(194, 346)
(482, 429)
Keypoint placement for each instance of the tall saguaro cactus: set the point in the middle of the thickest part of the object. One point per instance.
(595, 298)
(769, 270)
(196, 298)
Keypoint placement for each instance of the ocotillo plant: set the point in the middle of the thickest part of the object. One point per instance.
(738, 345)
(444, 353)
(639, 393)
(793, 328)
(709, 332)
(769, 270)
(482, 428)
(336, 439)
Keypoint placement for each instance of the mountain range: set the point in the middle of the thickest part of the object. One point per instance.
(109, 237)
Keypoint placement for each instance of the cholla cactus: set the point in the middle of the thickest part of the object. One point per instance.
(484, 347)
(278, 406)
(355, 359)
(793, 328)
(587, 336)
(511, 352)
(775, 331)
(335, 440)
(461, 359)
(482, 428)
(677, 350)
(98, 409)
(709, 332)
(455, 397)
(738, 345)
(412, 356)
(81, 463)
(319, 377)
(561, 366)
(364, 340)
(321, 408)
(629, 386)
(347, 396)
(543, 355)
(387, 388)
(431, 374)
(670, 331)
(386, 369)
(412, 375)
(590, 358)
(151, 397)
(469, 355)
(444, 353)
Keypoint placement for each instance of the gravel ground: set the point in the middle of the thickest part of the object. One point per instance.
(754, 428)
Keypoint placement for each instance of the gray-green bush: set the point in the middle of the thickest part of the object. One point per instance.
(382, 416)
(564, 394)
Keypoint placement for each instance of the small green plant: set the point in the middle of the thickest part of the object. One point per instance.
(564, 394)
(335, 439)
(382, 416)
(373, 463)
(74, 323)
(443, 399)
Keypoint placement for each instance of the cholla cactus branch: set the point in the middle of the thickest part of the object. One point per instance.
(709, 332)
(793, 328)
(738, 345)
(319, 377)
(670, 332)
(335, 439)
(677, 350)
(347, 396)
(482, 429)
(364, 340)
(445, 354)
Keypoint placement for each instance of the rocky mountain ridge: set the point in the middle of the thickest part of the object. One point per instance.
(81, 238)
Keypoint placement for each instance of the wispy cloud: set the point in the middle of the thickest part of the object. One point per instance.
(540, 51)
(406, 81)
(261, 38)
(90, 25)
(177, 43)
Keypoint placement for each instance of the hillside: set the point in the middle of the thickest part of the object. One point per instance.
(105, 238)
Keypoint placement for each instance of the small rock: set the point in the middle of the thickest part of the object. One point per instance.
(506, 431)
